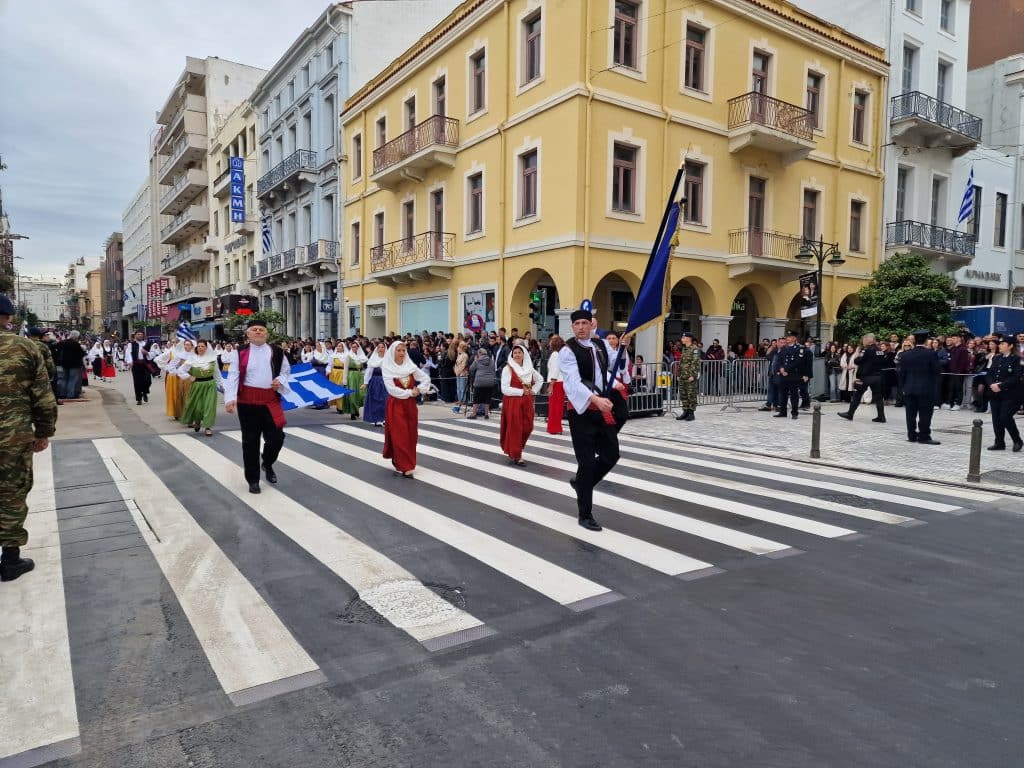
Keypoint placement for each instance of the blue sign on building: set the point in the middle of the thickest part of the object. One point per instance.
(237, 169)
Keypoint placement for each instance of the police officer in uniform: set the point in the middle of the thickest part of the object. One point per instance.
(1004, 385)
(794, 370)
(688, 373)
(918, 375)
(28, 417)
(870, 364)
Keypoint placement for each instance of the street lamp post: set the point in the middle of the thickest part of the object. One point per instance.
(139, 298)
(820, 251)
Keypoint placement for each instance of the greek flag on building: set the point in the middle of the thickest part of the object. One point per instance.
(967, 204)
(265, 231)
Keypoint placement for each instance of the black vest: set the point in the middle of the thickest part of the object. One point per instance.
(585, 362)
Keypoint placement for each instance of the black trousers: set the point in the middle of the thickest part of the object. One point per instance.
(141, 380)
(596, 445)
(918, 410)
(257, 422)
(789, 392)
(1003, 410)
(874, 383)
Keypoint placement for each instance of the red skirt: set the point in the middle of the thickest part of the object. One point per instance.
(401, 421)
(556, 401)
(516, 425)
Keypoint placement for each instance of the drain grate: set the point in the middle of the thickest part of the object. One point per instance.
(1003, 476)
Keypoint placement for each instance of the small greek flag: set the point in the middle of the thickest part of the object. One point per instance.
(307, 387)
(265, 231)
(185, 332)
(967, 204)
(124, 297)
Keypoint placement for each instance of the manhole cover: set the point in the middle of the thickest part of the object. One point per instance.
(358, 612)
(840, 498)
(402, 598)
(1003, 476)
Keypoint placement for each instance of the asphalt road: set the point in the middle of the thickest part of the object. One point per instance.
(735, 612)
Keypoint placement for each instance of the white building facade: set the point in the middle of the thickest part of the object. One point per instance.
(136, 224)
(42, 296)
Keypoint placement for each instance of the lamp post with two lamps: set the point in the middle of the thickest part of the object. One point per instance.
(820, 251)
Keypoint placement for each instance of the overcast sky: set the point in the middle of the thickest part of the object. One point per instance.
(80, 84)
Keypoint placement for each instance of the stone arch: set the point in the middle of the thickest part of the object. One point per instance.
(519, 307)
(613, 296)
(766, 304)
(746, 307)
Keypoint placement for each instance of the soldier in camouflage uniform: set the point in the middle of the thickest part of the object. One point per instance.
(687, 374)
(36, 334)
(28, 417)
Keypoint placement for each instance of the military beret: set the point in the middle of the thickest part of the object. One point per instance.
(6, 306)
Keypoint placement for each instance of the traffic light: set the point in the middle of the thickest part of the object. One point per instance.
(534, 312)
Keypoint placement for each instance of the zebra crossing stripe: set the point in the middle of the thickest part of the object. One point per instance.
(39, 722)
(713, 502)
(397, 595)
(651, 555)
(251, 652)
(757, 490)
(552, 581)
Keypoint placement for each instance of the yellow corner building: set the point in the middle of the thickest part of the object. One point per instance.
(518, 159)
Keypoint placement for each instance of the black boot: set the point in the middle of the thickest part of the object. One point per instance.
(688, 416)
(13, 565)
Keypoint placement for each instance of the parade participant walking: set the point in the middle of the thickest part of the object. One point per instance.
(1004, 384)
(336, 373)
(403, 380)
(794, 369)
(355, 363)
(917, 373)
(556, 389)
(687, 374)
(376, 393)
(95, 359)
(594, 419)
(519, 383)
(175, 387)
(257, 371)
(199, 370)
(869, 364)
(135, 357)
(27, 420)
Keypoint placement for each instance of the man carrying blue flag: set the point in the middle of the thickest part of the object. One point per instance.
(257, 372)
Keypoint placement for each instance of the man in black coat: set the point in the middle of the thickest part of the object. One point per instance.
(917, 373)
(794, 370)
(870, 364)
(1004, 382)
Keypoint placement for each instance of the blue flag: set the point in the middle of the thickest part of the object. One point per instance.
(650, 299)
(307, 386)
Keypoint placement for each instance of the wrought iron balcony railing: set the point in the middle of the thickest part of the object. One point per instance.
(757, 109)
(301, 160)
(436, 130)
(760, 242)
(422, 248)
(930, 236)
(329, 251)
(920, 105)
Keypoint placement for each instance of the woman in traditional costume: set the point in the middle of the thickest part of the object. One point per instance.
(556, 390)
(355, 362)
(174, 388)
(199, 371)
(403, 380)
(336, 373)
(519, 383)
(95, 359)
(376, 393)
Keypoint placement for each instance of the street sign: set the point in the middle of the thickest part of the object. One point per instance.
(326, 305)
(236, 167)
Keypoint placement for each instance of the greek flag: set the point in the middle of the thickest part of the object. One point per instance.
(124, 297)
(265, 231)
(967, 204)
(307, 387)
(185, 332)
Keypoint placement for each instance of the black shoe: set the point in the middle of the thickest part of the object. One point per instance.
(929, 441)
(271, 475)
(795, 415)
(681, 416)
(254, 487)
(765, 408)
(138, 402)
(912, 439)
(879, 420)
(572, 482)
(688, 416)
(997, 447)
(780, 415)
(1017, 446)
(847, 415)
(590, 524)
(355, 416)
(13, 565)
(145, 398)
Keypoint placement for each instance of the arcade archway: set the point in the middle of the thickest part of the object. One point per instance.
(535, 294)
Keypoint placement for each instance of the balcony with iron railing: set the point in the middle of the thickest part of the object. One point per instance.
(764, 122)
(751, 249)
(924, 121)
(177, 262)
(432, 143)
(188, 152)
(300, 165)
(188, 293)
(414, 258)
(185, 224)
(954, 249)
(186, 188)
(316, 258)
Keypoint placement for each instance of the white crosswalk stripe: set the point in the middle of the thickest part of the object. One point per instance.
(553, 581)
(564, 447)
(40, 721)
(252, 653)
(381, 583)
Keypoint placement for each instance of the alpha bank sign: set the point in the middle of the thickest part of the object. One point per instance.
(978, 274)
(237, 169)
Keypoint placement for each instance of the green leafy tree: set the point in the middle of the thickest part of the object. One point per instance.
(903, 296)
(234, 326)
(32, 318)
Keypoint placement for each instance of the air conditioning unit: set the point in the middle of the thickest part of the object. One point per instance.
(211, 244)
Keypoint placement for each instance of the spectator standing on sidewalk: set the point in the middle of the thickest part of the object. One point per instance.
(28, 418)
(1004, 383)
(917, 371)
(869, 364)
(687, 376)
(71, 356)
(959, 366)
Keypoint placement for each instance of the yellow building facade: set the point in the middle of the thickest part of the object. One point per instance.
(519, 157)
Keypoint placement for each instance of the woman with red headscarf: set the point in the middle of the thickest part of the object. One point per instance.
(519, 383)
(403, 380)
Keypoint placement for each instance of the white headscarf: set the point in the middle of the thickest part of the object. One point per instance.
(210, 356)
(376, 360)
(393, 370)
(525, 372)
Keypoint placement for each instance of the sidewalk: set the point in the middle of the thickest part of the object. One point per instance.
(859, 445)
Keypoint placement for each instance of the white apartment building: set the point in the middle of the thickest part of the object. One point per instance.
(996, 92)
(42, 296)
(136, 225)
(927, 125)
(298, 104)
(201, 100)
